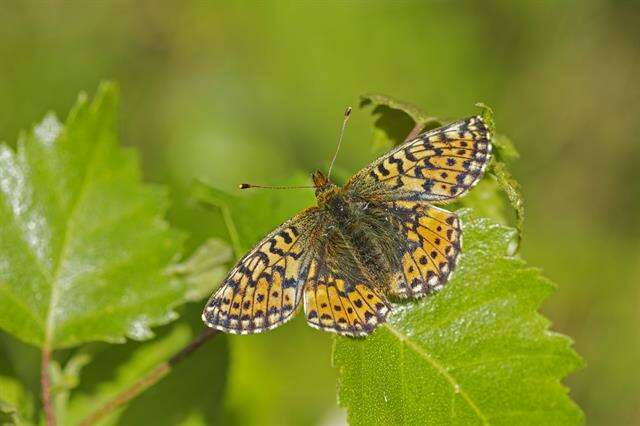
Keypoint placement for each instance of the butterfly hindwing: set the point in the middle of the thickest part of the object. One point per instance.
(340, 306)
(431, 240)
(265, 287)
(439, 165)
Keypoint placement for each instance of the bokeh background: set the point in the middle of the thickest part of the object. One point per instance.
(250, 91)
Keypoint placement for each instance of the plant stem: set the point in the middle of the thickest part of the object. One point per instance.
(415, 131)
(149, 379)
(45, 387)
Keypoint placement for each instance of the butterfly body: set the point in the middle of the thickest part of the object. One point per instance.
(356, 233)
(378, 235)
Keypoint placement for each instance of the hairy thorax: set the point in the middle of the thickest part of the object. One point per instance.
(360, 235)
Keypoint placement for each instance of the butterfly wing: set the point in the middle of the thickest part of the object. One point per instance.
(439, 165)
(265, 287)
(341, 294)
(428, 247)
(340, 304)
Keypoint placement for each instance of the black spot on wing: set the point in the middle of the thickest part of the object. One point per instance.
(398, 163)
(286, 237)
(289, 282)
(383, 170)
(409, 155)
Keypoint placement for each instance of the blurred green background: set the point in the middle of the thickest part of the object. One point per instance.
(250, 91)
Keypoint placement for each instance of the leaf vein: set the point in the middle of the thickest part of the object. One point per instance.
(441, 370)
(64, 248)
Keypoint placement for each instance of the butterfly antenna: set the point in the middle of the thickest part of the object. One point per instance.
(347, 114)
(249, 186)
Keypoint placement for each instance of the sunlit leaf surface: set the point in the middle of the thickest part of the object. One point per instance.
(475, 353)
(83, 243)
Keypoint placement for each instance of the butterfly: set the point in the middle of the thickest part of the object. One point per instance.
(378, 236)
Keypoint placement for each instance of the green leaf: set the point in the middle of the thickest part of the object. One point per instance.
(15, 402)
(475, 353)
(191, 394)
(64, 380)
(498, 170)
(83, 243)
(504, 151)
(204, 269)
(486, 201)
(487, 115)
(395, 120)
(8, 414)
(418, 115)
(12, 402)
(19, 379)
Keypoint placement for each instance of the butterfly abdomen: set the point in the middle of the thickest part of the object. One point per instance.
(363, 235)
(370, 252)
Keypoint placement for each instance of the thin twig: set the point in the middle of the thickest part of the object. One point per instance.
(191, 347)
(415, 131)
(149, 379)
(45, 386)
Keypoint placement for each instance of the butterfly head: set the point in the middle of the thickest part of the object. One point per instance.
(322, 184)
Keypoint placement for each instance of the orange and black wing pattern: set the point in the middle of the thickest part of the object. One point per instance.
(439, 165)
(428, 245)
(381, 235)
(265, 287)
(341, 303)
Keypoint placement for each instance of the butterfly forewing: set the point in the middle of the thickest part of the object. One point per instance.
(439, 165)
(265, 287)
